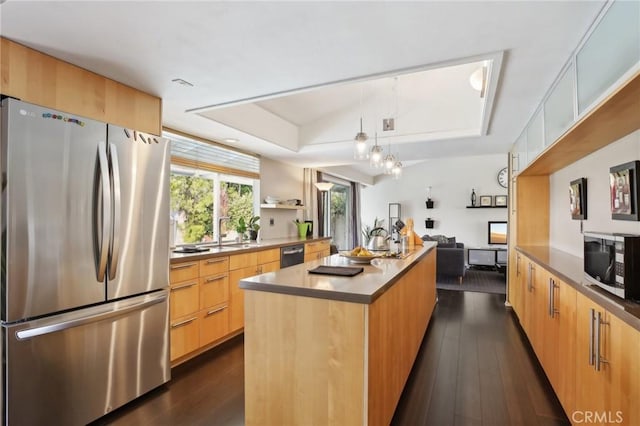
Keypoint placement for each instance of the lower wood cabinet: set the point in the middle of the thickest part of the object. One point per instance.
(236, 296)
(198, 305)
(185, 336)
(254, 264)
(607, 372)
(316, 250)
(534, 305)
(214, 324)
(559, 340)
(589, 355)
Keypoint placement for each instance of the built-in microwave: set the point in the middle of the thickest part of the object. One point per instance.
(612, 262)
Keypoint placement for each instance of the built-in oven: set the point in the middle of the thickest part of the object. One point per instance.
(291, 255)
(612, 262)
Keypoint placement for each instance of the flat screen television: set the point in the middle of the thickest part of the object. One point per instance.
(497, 232)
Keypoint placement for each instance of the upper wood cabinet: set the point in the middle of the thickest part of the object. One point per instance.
(43, 80)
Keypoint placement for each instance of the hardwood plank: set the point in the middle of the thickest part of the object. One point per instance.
(209, 389)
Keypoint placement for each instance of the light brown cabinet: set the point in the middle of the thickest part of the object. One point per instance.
(607, 373)
(534, 305)
(588, 354)
(242, 266)
(198, 304)
(559, 339)
(316, 250)
(517, 283)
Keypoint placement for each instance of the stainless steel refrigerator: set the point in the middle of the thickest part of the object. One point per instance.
(85, 253)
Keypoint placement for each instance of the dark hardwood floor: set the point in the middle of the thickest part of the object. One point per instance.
(475, 367)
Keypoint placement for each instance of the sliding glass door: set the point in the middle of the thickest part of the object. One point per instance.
(338, 220)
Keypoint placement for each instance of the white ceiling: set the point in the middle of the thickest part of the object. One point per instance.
(246, 56)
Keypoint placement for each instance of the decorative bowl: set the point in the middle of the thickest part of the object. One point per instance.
(358, 259)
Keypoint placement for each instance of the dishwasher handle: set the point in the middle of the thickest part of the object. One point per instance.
(293, 251)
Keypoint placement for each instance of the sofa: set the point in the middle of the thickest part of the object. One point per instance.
(449, 257)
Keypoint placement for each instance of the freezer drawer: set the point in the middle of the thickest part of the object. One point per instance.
(71, 369)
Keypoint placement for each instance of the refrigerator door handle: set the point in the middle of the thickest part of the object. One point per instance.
(30, 333)
(114, 247)
(103, 253)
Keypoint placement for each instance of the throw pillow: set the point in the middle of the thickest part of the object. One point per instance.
(452, 240)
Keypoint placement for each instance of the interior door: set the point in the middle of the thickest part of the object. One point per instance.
(139, 259)
(50, 161)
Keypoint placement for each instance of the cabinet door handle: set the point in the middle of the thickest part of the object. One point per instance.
(180, 287)
(592, 318)
(599, 358)
(517, 264)
(215, 260)
(530, 277)
(182, 266)
(216, 278)
(552, 297)
(185, 322)
(222, 308)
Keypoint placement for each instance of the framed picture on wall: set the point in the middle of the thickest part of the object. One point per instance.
(485, 200)
(623, 186)
(578, 198)
(500, 200)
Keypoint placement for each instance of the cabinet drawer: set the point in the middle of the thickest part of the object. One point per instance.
(214, 324)
(185, 336)
(183, 271)
(316, 246)
(183, 299)
(214, 290)
(267, 256)
(214, 266)
(243, 260)
(269, 267)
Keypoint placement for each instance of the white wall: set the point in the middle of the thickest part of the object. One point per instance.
(451, 181)
(564, 233)
(285, 182)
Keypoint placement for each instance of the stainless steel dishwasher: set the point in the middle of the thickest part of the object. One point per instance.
(291, 255)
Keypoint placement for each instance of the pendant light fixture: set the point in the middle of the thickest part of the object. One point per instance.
(389, 161)
(361, 144)
(375, 156)
(360, 152)
(396, 171)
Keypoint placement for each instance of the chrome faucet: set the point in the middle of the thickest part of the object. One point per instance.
(220, 220)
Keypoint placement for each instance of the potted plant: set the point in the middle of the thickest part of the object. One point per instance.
(241, 228)
(254, 227)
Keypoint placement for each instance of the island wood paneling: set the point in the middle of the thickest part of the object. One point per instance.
(304, 360)
(43, 80)
(397, 323)
(328, 362)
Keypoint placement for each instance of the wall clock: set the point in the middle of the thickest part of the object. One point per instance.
(503, 178)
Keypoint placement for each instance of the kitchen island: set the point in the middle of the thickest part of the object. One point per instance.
(335, 350)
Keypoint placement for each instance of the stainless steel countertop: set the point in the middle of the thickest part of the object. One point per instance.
(248, 246)
(362, 288)
(569, 268)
